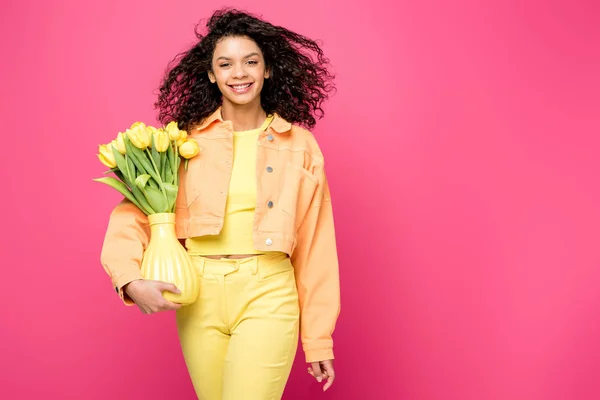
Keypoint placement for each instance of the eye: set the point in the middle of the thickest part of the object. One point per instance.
(224, 65)
(253, 62)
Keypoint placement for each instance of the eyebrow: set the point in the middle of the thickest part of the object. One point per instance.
(248, 56)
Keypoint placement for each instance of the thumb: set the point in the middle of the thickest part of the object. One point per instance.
(170, 287)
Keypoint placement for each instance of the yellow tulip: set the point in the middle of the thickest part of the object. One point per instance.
(189, 149)
(182, 138)
(161, 140)
(173, 130)
(151, 131)
(139, 135)
(121, 143)
(106, 156)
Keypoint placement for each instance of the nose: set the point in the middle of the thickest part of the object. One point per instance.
(239, 72)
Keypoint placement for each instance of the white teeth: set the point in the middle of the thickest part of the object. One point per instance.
(238, 87)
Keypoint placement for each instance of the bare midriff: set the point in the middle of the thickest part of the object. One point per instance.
(230, 256)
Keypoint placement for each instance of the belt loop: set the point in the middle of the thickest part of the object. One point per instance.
(254, 266)
(202, 262)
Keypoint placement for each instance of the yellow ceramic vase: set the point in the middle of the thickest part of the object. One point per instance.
(165, 259)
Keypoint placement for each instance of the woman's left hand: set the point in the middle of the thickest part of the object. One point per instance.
(321, 370)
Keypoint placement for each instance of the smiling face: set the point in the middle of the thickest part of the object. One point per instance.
(238, 69)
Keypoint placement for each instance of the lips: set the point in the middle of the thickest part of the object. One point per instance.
(243, 88)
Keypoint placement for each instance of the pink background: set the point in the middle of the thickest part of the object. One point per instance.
(463, 157)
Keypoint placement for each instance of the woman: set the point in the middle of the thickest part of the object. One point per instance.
(254, 211)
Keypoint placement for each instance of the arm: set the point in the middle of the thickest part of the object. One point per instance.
(315, 263)
(126, 239)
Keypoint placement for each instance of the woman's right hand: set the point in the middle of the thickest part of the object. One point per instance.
(147, 295)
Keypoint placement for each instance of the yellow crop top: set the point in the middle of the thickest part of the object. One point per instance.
(236, 235)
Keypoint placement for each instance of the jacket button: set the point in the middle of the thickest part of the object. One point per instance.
(270, 137)
(270, 204)
(269, 241)
(269, 169)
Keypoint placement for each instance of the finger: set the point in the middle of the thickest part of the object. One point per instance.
(330, 379)
(328, 383)
(169, 287)
(328, 372)
(311, 372)
(316, 367)
(143, 308)
(169, 305)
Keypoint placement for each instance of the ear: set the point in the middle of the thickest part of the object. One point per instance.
(211, 77)
(267, 74)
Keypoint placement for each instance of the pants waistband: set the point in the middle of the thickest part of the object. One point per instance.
(225, 266)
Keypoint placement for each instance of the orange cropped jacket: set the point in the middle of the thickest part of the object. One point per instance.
(293, 215)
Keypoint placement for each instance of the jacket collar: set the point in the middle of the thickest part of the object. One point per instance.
(278, 124)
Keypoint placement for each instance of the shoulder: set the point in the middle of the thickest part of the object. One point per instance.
(300, 138)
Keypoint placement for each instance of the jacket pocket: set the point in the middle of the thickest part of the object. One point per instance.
(297, 191)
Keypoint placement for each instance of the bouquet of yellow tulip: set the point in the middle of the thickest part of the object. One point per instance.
(146, 161)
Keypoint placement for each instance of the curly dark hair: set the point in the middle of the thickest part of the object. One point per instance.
(299, 81)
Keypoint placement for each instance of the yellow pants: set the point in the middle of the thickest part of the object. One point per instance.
(240, 337)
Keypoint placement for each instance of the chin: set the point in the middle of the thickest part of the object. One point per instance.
(242, 102)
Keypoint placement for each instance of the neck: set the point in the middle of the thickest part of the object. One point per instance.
(243, 117)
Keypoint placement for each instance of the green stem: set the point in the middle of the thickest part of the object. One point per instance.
(160, 182)
(129, 172)
(176, 177)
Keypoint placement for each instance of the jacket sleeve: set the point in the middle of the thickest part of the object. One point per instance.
(126, 238)
(315, 263)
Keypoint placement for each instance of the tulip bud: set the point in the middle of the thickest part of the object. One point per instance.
(182, 138)
(161, 140)
(173, 131)
(106, 156)
(139, 135)
(121, 143)
(189, 149)
(151, 131)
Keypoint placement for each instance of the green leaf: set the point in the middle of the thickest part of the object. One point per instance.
(141, 198)
(177, 162)
(153, 183)
(154, 166)
(134, 157)
(140, 160)
(172, 161)
(155, 155)
(126, 171)
(131, 172)
(121, 163)
(141, 181)
(163, 168)
(149, 182)
(171, 196)
(119, 175)
(109, 171)
(121, 187)
(156, 199)
(168, 174)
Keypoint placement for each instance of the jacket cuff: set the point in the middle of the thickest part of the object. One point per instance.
(124, 280)
(313, 354)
